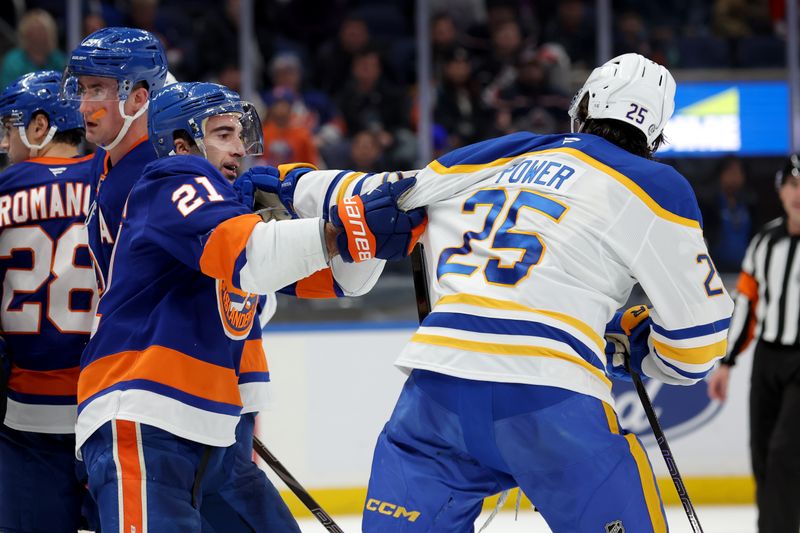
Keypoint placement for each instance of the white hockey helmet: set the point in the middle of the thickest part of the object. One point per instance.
(630, 88)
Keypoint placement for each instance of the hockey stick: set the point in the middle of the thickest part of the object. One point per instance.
(420, 283)
(665, 450)
(295, 486)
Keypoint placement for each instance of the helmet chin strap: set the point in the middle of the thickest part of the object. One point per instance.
(128, 120)
(34, 148)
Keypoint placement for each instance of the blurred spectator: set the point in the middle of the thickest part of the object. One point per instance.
(559, 66)
(498, 68)
(217, 48)
(465, 13)
(335, 57)
(478, 38)
(444, 37)
(312, 110)
(92, 22)
(631, 34)
(734, 19)
(573, 27)
(283, 141)
(369, 102)
(366, 153)
(533, 103)
(37, 37)
(459, 108)
(728, 216)
(148, 15)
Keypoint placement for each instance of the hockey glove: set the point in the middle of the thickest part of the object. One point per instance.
(627, 341)
(375, 227)
(261, 180)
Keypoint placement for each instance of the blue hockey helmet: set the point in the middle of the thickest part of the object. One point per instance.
(127, 55)
(187, 106)
(38, 92)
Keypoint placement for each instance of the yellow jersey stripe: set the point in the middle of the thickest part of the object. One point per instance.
(612, 418)
(507, 349)
(693, 356)
(649, 487)
(345, 184)
(507, 305)
(621, 178)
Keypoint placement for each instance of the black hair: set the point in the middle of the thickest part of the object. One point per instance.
(73, 137)
(627, 137)
(183, 134)
(791, 167)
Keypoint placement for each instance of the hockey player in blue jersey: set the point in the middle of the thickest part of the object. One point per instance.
(113, 73)
(48, 301)
(159, 391)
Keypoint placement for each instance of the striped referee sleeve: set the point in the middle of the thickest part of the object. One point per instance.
(768, 292)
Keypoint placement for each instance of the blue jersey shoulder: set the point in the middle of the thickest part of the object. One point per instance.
(35, 172)
(662, 183)
(489, 151)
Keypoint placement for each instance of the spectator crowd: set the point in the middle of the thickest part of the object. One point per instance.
(337, 83)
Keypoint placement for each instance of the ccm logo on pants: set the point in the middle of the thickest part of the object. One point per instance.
(390, 509)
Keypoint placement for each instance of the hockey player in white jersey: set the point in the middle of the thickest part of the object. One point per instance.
(533, 242)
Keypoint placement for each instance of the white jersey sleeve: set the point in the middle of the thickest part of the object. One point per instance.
(666, 253)
(318, 191)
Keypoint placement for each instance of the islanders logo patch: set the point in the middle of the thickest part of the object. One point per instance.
(237, 310)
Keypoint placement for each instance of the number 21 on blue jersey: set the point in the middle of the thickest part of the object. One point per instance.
(506, 236)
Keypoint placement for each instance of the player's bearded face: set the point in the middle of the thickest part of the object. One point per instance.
(223, 142)
(100, 108)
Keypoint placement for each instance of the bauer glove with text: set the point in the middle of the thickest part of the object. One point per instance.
(373, 225)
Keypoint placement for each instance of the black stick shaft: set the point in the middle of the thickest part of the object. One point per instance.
(295, 486)
(420, 283)
(667, 453)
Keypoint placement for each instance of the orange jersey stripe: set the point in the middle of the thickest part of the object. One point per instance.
(320, 284)
(161, 365)
(224, 246)
(416, 233)
(60, 160)
(748, 286)
(129, 475)
(253, 357)
(62, 382)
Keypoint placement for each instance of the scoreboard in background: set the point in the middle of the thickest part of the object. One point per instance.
(716, 118)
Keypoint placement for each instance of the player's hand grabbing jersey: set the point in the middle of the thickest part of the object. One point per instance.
(49, 292)
(178, 322)
(534, 241)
